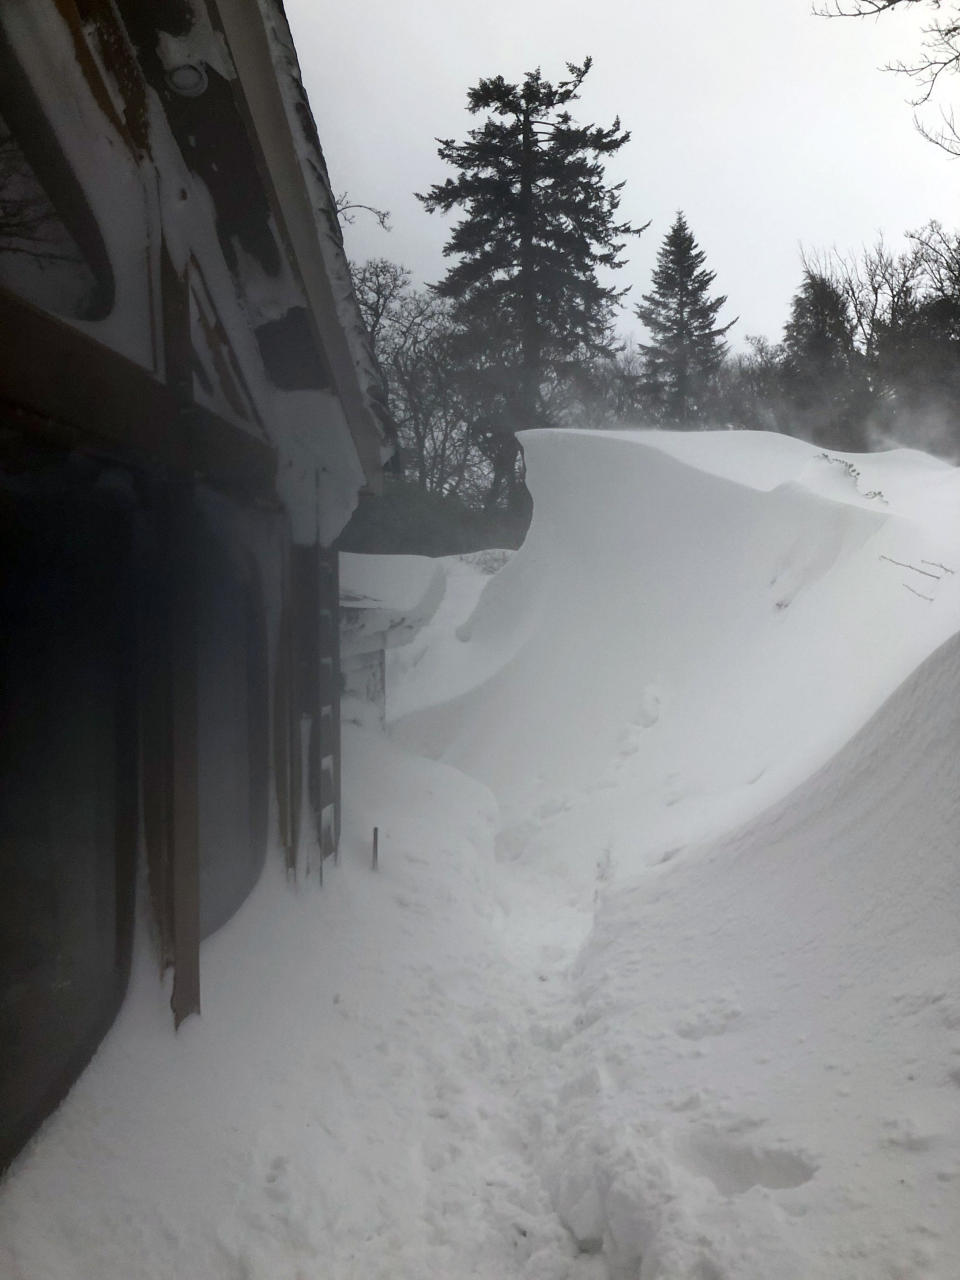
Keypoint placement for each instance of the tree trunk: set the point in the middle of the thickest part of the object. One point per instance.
(508, 489)
(529, 318)
(504, 464)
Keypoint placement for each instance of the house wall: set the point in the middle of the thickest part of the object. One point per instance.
(178, 444)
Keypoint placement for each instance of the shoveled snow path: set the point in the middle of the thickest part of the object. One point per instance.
(494, 1000)
(363, 1096)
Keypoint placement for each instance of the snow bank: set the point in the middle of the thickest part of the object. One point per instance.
(758, 1075)
(673, 997)
(389, 595)
(693, 625)
(300, 1127)
(428, 667)
(762, 1078)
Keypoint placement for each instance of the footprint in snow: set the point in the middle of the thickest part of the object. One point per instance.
(648, 711)
(714, 1020)
(735, 1166)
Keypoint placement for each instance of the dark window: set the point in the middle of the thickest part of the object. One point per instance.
(232, 684)
(67, 789)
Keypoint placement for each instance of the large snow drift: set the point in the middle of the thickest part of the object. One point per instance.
(694, 623)
(667, 989)
(762, 1075)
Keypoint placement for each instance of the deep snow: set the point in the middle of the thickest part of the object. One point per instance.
(659, 974)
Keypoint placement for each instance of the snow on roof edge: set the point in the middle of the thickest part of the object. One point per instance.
(313, 167)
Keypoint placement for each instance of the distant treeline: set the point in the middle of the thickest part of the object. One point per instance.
(521, 330)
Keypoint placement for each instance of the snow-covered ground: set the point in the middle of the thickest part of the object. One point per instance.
(659, 977)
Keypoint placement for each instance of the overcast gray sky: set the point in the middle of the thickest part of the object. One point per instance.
(769, 127)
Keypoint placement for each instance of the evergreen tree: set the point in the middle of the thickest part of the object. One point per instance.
(919, 365)
(539, 220)
(824, 375)
(687, 347)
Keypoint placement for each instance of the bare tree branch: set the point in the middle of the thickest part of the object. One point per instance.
(347, 210)
(939, 55)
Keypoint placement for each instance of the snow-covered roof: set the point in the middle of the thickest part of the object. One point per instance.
(281, 113)
(314, 168)
(194, 154)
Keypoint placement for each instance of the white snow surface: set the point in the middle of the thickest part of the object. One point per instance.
(390, 596)
(658, 976)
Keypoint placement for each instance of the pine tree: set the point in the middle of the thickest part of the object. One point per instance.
(824, 375)
(539, 220)
(687, 347)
